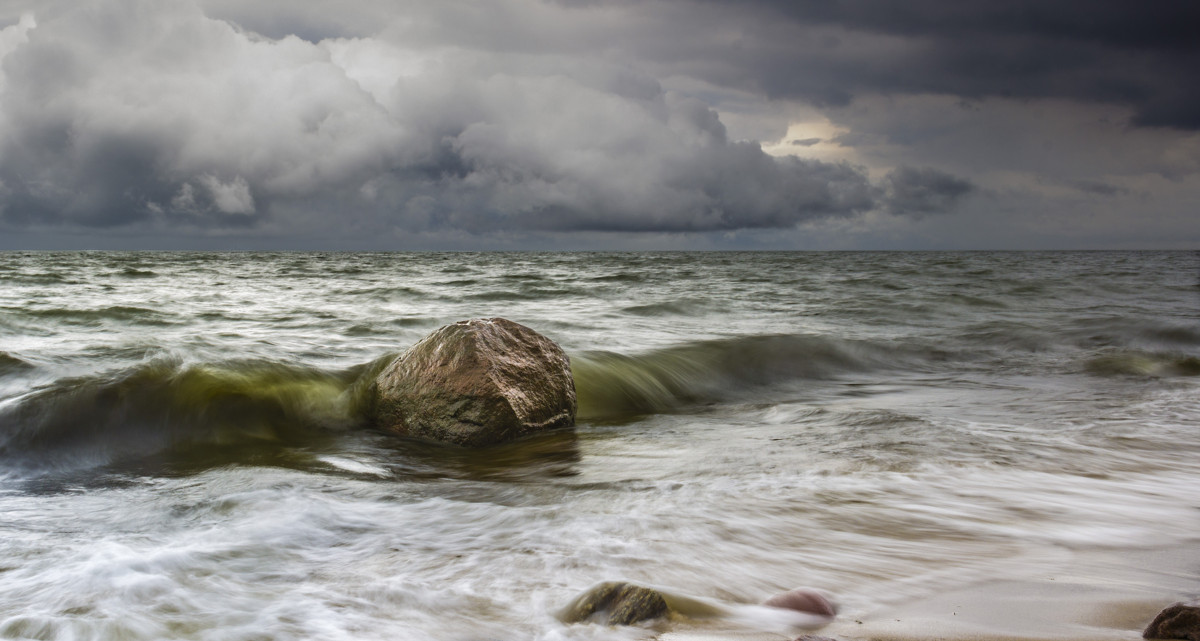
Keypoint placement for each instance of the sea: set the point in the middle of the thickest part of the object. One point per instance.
(184, 451)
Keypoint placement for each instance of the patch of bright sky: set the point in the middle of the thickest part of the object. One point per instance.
(777, 125)
(815, 139)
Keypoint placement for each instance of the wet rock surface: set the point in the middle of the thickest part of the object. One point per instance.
(1179, 621)
(476, 383)
(616, 604)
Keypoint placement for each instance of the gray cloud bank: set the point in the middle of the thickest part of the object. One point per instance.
(1143, 56)
(123, 113)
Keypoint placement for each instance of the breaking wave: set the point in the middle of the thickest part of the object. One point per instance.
(1137, 363)
(612, 385)
(168, 406)
(236, 410)
(10, 364)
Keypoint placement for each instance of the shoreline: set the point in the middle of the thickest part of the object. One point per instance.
(1099, 595)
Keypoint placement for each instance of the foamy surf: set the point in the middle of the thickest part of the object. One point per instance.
(183, 453)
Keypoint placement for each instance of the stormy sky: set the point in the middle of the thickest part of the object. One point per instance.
(599, 124)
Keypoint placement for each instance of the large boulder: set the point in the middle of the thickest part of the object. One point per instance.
(476, 382)
(1180, 621)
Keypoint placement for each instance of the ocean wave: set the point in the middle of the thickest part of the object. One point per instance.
(229, 412)
(502, 295)
(611, 385)
(967, 300)
(90, 317)
(528, 292)
(132, 272)
(524, 277)
(1122, 331)
(169, 407)
(10, 364)
(682, 307)
(48, 278)
(166, 405)
(1096, 337)
(1137, 363)
(388, 328)
(620, 277)
(387, 292)
(1007, 336)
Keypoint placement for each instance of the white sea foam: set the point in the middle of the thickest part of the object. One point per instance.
(884, 427)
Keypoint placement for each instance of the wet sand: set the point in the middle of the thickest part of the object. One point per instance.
(1099, 596)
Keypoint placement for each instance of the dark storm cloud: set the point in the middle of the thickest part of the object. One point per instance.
(390, 119)
(829, 52)
(123, 112)
(1112, 51)
(911, 190)
(1098, 188)
(1169, 24)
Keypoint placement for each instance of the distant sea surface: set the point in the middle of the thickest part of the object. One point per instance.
(183, 453)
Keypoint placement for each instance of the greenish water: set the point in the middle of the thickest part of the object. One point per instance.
(183, 453)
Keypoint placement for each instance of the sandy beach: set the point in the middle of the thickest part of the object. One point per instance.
(1098, 595)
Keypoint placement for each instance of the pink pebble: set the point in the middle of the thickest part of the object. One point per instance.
(803, 600)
